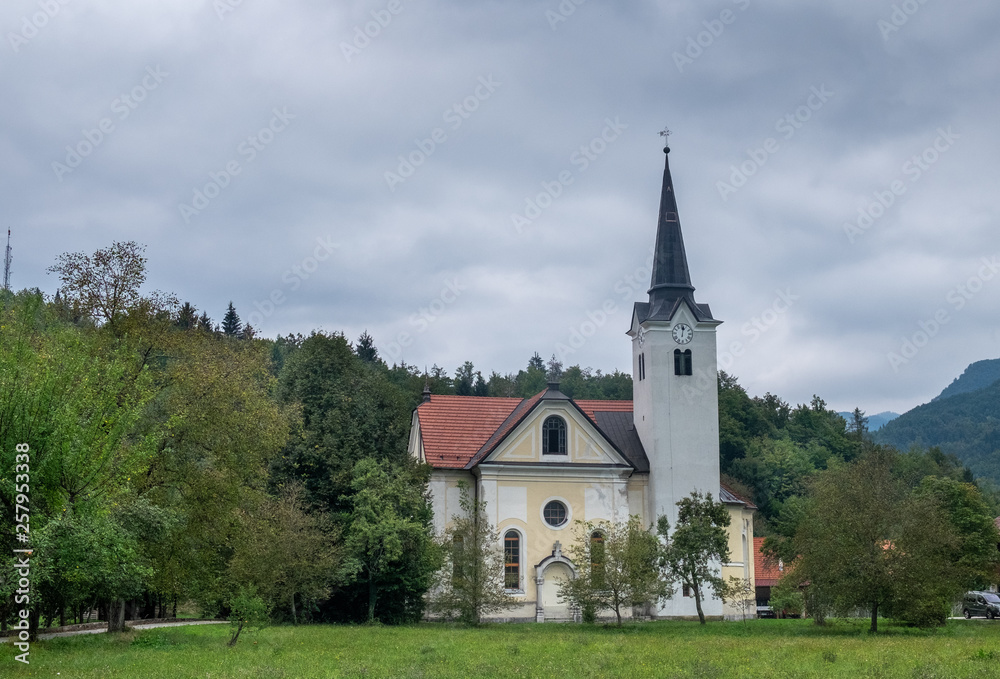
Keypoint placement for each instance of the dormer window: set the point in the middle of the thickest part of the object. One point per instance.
(554, 436)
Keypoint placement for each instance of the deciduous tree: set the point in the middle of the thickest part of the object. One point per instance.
(867, 542)
(699, 545)
(106, 285)
(470, 584)
(386, 530)
(617, 566)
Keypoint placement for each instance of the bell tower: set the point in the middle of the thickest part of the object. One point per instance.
(675, 381)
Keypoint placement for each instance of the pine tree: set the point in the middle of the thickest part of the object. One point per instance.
(464, 379)
(205, 323)
(536, 362)
(231, 325)
(366, 350)
(480, 388)
(187, 317)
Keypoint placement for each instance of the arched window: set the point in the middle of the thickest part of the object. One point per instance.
(512, 560)
(682, 362)
(554, 436)
(597, 559)
(457, 558)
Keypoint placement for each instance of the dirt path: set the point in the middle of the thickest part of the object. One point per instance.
(136, 624)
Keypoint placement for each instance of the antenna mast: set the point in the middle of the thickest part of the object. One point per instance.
(6, 265)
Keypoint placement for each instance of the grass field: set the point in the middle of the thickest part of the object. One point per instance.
(761, 648)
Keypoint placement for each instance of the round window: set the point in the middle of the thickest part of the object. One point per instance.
(555, 513)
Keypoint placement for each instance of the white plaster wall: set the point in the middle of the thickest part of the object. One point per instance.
(512, 503)
(598, 503)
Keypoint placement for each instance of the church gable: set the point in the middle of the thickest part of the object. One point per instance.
(556, 433)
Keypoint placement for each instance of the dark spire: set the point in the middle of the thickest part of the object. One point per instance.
(671, 278)
(427, 388)
(671, 281)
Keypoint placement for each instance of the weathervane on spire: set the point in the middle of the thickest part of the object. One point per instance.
(665, 133)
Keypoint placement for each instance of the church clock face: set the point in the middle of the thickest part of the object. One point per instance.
(641, 335)
(682, 333)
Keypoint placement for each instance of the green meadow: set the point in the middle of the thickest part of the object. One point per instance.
(760, 648)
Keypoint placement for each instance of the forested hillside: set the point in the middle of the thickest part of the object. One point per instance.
(978, 375)
(966, 424)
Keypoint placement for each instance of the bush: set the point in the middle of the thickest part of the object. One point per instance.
(247, 610)
(787, 598)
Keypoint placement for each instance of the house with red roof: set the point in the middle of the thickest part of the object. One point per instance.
(543, 463)
(768, 571)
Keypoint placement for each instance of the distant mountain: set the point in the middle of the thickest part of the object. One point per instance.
(979, 375)
(875, 422)
(961, 421)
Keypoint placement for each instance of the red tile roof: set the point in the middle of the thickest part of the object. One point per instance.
(454, 428)
(514, 419)
(767, 570)
(591, 407)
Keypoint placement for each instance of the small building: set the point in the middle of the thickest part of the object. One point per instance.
(768, 571)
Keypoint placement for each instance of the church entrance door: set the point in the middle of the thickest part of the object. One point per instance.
(555, 609)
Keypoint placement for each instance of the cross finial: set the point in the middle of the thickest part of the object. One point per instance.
(665, 133)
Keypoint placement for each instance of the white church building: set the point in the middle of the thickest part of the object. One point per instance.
(543, 462)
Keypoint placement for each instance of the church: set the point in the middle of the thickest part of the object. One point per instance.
(544, 462)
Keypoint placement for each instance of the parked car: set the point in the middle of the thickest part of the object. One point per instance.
(981, 603)
(765, 612)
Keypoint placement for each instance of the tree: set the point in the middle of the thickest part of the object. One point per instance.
(205, 323)
(480, 388)
(698, 546)
(975, 555)
(247, 610)
(105, 285)
(385, 530)
(554, 368)
(533, 380)
(616, 567)
(78, 399)
(187, 317)
(465, 379)
(858, 424)
(787, 599)
(866, 541)
(217, 430)
(231, 325)
(742, 593)
(286, 554)
(470, 583)
(365, 349)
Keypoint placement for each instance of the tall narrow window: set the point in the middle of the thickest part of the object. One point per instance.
(554, 436)
(642, 367)
(512, 560)
(597, 559)
(682, 362)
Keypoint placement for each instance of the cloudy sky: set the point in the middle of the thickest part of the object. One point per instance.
(479, 180)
